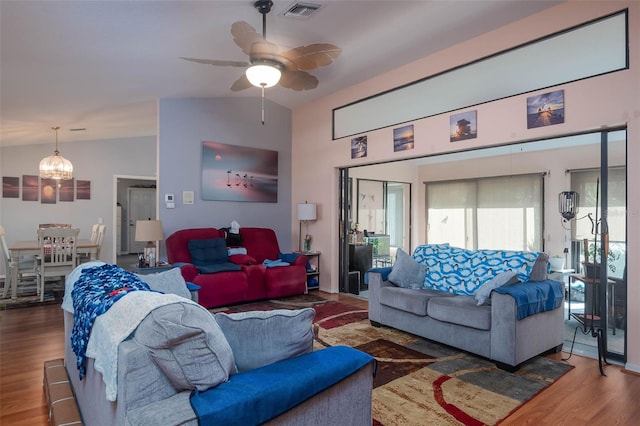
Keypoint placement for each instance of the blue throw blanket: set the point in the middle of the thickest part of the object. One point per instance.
(95, 291)
(384, 272)
(256, 396)
(533, 297)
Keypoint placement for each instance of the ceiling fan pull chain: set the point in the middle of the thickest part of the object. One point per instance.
(262, 88)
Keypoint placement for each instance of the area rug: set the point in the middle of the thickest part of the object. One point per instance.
(420, 382)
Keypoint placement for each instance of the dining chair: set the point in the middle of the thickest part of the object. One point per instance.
(25, 266)
(58, 254)
(94, 231)
(97, 235)
(8, 263)
(100, 236)
(54, 225)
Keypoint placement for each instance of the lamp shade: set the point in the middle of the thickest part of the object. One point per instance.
(307, 211)
(568, 204)
(263, 75)
(149, 230)
(55, 166)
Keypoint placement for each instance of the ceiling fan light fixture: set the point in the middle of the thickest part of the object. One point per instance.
(263, 75)
(56, 166)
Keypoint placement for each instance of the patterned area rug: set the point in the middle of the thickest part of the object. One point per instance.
(420, 382)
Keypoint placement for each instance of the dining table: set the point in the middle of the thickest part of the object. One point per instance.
(32, 247)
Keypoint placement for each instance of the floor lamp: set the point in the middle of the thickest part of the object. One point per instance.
(306, 212)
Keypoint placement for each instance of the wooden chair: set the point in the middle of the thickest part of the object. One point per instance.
(97, 235)
(58, 254)
(94, 231)
(8, 263)
(25, 267)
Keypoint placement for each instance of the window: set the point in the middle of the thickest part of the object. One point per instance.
(585, 183)
(487, 213)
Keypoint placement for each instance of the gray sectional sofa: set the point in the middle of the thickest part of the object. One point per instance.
(492, 329)
(181, 365)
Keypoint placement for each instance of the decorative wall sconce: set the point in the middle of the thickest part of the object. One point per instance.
(568, 204)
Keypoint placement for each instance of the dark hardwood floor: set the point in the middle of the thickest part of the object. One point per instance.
(30, 336)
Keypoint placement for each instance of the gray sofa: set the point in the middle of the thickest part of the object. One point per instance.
(491, 330)
(179, 349)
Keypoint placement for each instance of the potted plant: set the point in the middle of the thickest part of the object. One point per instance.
(556, 262)
(592, 270)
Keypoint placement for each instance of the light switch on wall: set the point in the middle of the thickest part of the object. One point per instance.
(169, 199)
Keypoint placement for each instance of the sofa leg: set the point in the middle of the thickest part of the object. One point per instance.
(375, 324)
(506, 367)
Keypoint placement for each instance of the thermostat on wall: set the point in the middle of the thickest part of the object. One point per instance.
(187, 197)
(169, 199)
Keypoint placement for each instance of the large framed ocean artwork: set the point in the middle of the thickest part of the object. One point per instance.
(239, 173)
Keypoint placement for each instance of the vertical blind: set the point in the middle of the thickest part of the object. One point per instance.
(486, 213)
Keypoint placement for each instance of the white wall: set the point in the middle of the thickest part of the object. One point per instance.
(95, 161)
(609, 100)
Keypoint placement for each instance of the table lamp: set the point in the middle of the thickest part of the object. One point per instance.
(306, 212)
(149, 231)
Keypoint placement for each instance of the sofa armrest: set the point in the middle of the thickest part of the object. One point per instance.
(375, 284)
(189, 271)
(514, 341)
(301, 260)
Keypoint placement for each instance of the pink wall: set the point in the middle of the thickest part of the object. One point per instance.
(608, 101)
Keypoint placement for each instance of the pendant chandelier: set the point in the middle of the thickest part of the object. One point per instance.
(56, 166)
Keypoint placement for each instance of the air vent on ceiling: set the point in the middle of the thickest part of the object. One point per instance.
(301, 10)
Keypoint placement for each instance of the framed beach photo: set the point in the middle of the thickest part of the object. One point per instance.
(359, 147)
(403, 138)
(463, 126)
(10, 187)
(545, 110)
(239, 173)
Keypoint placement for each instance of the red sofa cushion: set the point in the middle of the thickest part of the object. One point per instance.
(261, 243)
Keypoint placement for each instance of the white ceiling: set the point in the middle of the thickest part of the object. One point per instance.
(101, 65)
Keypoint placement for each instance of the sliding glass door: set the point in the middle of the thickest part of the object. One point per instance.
(599, 241)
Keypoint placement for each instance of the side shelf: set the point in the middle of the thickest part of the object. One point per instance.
(313, 274)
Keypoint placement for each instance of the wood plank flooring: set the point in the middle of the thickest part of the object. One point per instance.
(30, 336)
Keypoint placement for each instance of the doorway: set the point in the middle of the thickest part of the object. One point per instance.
(377, 222)
(142, 206)
(121, 231)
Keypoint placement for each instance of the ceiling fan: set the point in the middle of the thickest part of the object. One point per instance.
(270, 64)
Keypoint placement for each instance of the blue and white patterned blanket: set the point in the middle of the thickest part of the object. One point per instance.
(463, 271)
(94, 292)
(107, 330)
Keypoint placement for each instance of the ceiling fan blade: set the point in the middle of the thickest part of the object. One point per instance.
(245, 35)
(313, 55)
(241, 83)
(298, 80)
(217, 63)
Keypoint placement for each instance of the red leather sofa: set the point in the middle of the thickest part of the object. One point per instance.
(254, 281)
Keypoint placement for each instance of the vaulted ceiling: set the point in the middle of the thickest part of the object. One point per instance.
(102, 65)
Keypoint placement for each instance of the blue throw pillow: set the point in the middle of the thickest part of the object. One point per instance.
(208, 252)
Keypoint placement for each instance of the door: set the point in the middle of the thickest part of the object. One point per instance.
(602, 222)
(142, 206)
